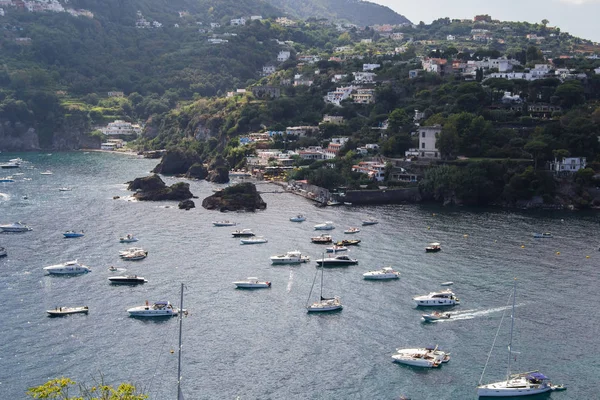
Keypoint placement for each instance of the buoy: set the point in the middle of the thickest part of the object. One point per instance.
(428, 227)
(522, 246)
(465, 235)
(587, 256)
(433, 214)
(558, 253)
(172, 351)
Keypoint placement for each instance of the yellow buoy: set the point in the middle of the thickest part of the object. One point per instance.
(433, 214)
(522, 246)
(465, 235)
(558, 253)
(172, 351)
(587, 256)
(428, 227)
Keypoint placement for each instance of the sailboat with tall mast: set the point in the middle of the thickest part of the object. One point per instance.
(515, 385)
(324, 304)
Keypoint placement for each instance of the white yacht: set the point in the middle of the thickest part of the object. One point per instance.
(326, 226)
(9, 165)
(47, 172)
(434, 299)
(64, 189)
(135, 255)
(158, 309)
(382, 274)
(58, 311)
(336, 249)
(322, 239)
(427, 357)
(224, 223)
(131, 250)
(369, 221)
(543, 235)
(298, 218)
(291, 257)
(252, 283)
(127, 279)
(253, 240)
(242, 233)
(15, 227)
(336, 261)
(352, 230)
(129, 238)
(68, 268)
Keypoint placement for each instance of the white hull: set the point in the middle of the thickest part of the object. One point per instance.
(325, 306)
(152, 313)
(68, 310)
(252, 285)
(68, 268)
(289, 259)
(501, 389)
(436, 302)
(414, 362)
(14, 228)
(324, 228)
(380, 277)
(2, 252)
(253, 241)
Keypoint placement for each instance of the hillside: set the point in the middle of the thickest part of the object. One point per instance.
(361, 13)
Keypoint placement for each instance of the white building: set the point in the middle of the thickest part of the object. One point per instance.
(450, 38)
(375, 170)
(366, 41)
(268, 70)
(215, 25)
(363, 96)
(364, 77)
(119, 127)
(568, 164)
(333, 119)
(339, 95)
(238, 21)
(370, 67)
(338, 77)
(301, 131)
(217, 41)
(255, 17)
(283, 56)
(427, 142)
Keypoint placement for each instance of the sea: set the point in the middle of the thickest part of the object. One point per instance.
(262, 344)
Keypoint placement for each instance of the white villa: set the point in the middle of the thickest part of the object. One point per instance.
(370, 67)
(283, 56)
(119, 127)
(568, 164)
(340, 94)
(364, 77)
(375, 170)
(427, 142)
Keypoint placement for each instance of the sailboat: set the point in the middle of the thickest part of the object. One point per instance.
(515, 385)
(324, 304)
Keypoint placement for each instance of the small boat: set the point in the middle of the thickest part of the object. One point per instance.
(382, 274)
(298, 218)
(16, 227)
(369, 221)
(131, 250)
(434, 299)
(449, 283)
(47, 172)
(3, 252)
(352, 230)
(127, 279)
(10, 165)
(64, 189)
(348, 242)
(323, 239)
(58, 311)
(67, 268)
(326, 226)
(8, 179)
(542, 235)
(336, 249)
(112, 268)
(242, 233)
(433, 248)
(291, 257)
(158, 309)
(224, 223)
(421, 357)
(135, 256)
(436, 315)
(324, 304)
(129, 238)
(252, 283)
(73, 234)
(253, 240)
(333, 203)
(336, 261)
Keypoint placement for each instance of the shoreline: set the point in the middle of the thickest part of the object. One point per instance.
(126, 153)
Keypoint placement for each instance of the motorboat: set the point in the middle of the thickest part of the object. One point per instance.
(15, 227)
(158, 309)
(323, 239)
(325, 226)
(449, 283)
(68, 268)
(127, 279)
(426, 357)
(3, 252)
(324, 304)
(253, 240)
(434, 299)
(436, 315)
(224, 223)
(131, 250)
(336, 249)
(73, 234)
(382, 274)
(291, 257)
(242, 233)
(112, 268)
(298, 218)
(59, 311)
(433, 247)
(8, 179)
(336, 261)
(47, 172)
(64, 189)
(10, 165)
(252, 283)
(129, 238)
(538, 235)
(352, 230)
(135, 255)
(348, 242)
(369, 221)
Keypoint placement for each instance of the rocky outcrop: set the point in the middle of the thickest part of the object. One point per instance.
(218, 171)
(197, 171)
(153, 188)
(176, 162)
(17, 137)
(240, 197)
(186, 205)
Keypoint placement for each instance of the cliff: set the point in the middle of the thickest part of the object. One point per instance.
(240, 197)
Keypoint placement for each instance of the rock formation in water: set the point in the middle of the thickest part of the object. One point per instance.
(154, 189)
(186, 204)
(240, 197)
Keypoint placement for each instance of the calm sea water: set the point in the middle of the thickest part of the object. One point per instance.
(262, 344)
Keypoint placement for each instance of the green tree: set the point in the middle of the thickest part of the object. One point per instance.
(59, 389)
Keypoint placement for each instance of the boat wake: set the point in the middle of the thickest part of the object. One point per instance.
(289, 285)
(471, 314)
(4, 196)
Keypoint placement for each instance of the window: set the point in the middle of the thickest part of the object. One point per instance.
(423, 134)
(422, 145)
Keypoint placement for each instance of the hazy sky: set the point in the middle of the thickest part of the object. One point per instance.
(578, 17)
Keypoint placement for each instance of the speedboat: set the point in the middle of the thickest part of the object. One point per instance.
(542, 235)
(64, 189)
(8, 179)
(253, 240)
(352, 230)
(127, 279)
(131, 250)
(158, 309)
(242, 233)
(16, 227)
(323, 239)
(73, 234)
(58, 311)
(135, 256)
(348, 242)
(427, 357)
(325, 226)
(369, 221)
(433, 247)
(434, 299)
(68, 268)
(291, 257)
(129, 238)
(436, 315)
(224, 223)
(336, 249)
(382, 274)
(9, 165)
(336, 261)
(252, 283)
(2, 252)
(298, 218)
(47, 172)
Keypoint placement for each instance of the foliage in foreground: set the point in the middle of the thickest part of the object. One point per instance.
(59, 389)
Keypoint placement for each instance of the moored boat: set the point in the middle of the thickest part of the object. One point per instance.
(434, 299)
(298, 218)
(127, 279)
(73, 234)
(382, 274)
(252, 283)
(158, 309)
(224, 223)
(538, 235)
(8, 179)
(135, 256)
(10, 165)
(433, 247)
(325, 226)
(427, 357)
(129, 238)
(242, 233)
(47, 172)
(322, 239)
(64, 189)
(369, 221)
(59, 311)
(348, 242)
(291, 257)
(336, 249)
(15, 227)
(254, 240)
(352, 230)
(68, 268)
(336, 261)
(3, 252)
(324, 304)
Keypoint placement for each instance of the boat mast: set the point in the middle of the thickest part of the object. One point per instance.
(179, 394)
(512, 324)
(322, 271)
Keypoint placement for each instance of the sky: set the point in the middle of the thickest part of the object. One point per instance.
(578, 17)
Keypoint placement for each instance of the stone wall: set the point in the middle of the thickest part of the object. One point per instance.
(386, 196)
